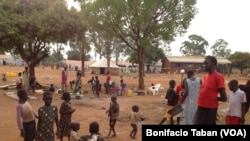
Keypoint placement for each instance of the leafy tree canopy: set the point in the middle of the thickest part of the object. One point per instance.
(240, 60)
(195, 47)
(28, 27)
(219, 49)
(141, 23)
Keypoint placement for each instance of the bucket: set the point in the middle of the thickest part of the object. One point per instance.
(130, 92)
(176, 110)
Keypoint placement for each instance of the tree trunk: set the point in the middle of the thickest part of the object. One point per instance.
(83, 64)
(32, 70)
(108, 49)
(141, 61)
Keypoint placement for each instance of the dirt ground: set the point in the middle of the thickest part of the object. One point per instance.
(93, 109)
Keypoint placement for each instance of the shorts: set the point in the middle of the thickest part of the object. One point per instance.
(112, 122)
(167, 115)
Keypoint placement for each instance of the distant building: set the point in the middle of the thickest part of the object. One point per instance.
(10, 60)
(173, 64)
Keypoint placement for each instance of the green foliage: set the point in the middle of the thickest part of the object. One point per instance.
(219, 48)
(195, 47)
(240, 60)
(28, 27)
(153, 54)
(141, 23)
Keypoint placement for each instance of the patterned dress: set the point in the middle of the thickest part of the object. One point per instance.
(45, 127)
(190, 103)
(65, 118)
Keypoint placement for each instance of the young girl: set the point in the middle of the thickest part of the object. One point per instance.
(74, 136)
(65, 116)
(113, 113)
(134, 119)
(25, 117)
(47, 116)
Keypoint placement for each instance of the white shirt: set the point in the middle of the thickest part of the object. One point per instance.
(235, 103)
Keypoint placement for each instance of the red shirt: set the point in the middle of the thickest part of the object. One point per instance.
(108, 78)
(180, 92)
(209, 90)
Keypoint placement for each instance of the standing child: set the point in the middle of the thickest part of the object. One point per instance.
(92, 83)
(180, 92)
(19, 83)
(65, 116)
(25, 117)
(122, 87)
(134, 119)
(64, 78)
(97, 86)
(113, 114)
(236, 108)
(172, 100)
(78, 82)
(74, 136)
(47, 116)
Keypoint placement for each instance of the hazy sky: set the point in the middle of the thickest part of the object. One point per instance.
(219, 19)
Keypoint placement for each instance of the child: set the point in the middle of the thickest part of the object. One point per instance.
(134, 119)
(25, 117)
(74, 136)
(97, 85)
(19, 83)
(47, 116)
(180, 92)
(4, 77)
(65, 116)
(78, 82)
(236, 109)
(92, 83)
(52, 88)
(122, 87)
(172, 101)
(113, 114)
(152, 90)
(94, 133)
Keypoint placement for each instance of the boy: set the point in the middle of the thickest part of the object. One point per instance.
(113, 114)
(172, 100)
(25, 117)
(236, 108)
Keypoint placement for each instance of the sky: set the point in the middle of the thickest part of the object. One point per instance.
(218, 19)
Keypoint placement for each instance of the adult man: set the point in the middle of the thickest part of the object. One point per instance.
(212, 84)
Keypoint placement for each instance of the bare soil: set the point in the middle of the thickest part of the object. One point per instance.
(93, 109)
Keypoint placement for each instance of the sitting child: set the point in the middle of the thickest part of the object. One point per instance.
(52, 88)
(152, 90)
(4, 78)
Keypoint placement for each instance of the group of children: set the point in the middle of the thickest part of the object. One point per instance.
(112, 88)
(48, 117)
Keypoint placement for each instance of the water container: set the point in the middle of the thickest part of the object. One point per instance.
(130, 92)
